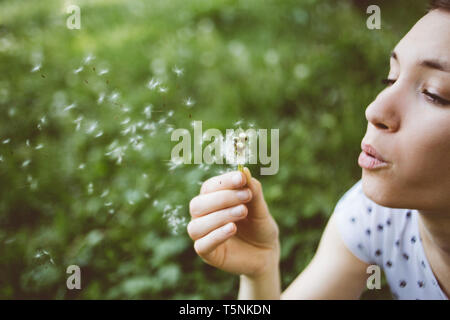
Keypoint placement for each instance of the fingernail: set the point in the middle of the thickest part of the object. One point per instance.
(237, 211)
(243, 194)
(237, 179)
(228, 228)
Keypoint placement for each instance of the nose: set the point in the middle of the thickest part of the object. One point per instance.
(384, 112)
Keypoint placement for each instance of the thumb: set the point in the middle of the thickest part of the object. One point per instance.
(257, 207)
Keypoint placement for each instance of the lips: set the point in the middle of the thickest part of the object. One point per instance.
(370, 158)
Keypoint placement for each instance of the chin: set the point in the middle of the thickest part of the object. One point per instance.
(382, 190)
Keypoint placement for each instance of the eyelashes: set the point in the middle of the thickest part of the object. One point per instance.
(430, 96)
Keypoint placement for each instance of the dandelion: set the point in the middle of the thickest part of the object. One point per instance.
(177, 71)
(78, 70)
(153, 83)
(6, 141)
(236, 148)
(73, 105)
(36, 68)
(189, 102)
(26, 163)
(39, 146)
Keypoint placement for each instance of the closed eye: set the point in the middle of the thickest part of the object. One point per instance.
(435, 98)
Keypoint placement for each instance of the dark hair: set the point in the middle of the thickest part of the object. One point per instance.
(440, 4)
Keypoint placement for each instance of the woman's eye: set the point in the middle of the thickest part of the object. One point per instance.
(388, 82)
(436, 99)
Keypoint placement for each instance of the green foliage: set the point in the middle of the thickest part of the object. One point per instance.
(307, 67)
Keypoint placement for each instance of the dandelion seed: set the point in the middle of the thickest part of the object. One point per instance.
(169, 130)
(153, 83)
(177, 71)
(138, 146)
(73, 105)
(39, 146)
(103, 71)
(98, 135)
(81, 166)
(36, 68)
(189, 102)
(125, 121)
(131, 202)
(148, 111)
(238, 123)
(111, 211)
(6, 141)
(78, 70)
(108, 204)
(162, 120)
(155, 203)
(104, 193)
(116, 152)
(78, 122)
(125, 109)
(90, 188)
(39, 126)
(170, 113)
(114, 96)
(26, 163)
(146, 195)
(42, 255)
(92, 127)
(163, 89)
(101, 98)
(144, 175)
(149, 126)
(1, 158)
(88, 58)
(28, 143)
(175, 163)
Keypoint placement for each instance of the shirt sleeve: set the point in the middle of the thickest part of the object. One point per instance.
(353, 217)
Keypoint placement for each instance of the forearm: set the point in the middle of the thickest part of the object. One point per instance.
(263, 287)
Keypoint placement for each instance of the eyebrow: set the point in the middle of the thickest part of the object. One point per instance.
(432, 64)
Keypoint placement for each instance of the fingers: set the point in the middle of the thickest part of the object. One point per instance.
(229, 180)
(210, 202)
(212, 240)
(200, 227)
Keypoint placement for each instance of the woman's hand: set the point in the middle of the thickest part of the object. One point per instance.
(231, 225)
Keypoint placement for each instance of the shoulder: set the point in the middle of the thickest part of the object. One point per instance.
(365, 226)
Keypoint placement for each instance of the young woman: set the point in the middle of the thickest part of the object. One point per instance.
(405, 162)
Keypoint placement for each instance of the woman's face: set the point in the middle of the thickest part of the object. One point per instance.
(409, 122)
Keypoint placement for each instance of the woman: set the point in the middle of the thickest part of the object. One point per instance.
(405, 162)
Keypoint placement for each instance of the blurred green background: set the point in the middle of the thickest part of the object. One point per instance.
(85, 176)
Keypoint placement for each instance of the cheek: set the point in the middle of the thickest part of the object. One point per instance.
(424, 152)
